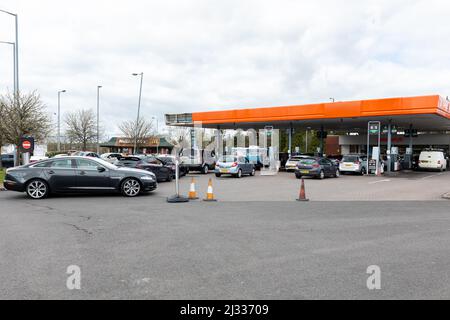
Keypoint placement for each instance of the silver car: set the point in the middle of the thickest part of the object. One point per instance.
(234, 165)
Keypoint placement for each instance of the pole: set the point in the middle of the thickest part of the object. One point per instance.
(17, 54)
(389, 147)
(306, 146)
(98, 119)
(138, 113)
(59, 121)
(14, 63)
(290, 140)
(368, 148)
(321, 141)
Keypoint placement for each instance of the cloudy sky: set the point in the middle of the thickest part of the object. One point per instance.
(204, 55)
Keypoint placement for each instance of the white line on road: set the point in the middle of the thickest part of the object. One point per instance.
(379, 181)
(431, 176)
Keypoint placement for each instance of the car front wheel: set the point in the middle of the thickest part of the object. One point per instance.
(131, 187)
(239, 174)
(37, 189)
(322, 175)
(205, 170)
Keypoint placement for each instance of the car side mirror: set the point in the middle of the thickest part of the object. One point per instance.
(101, 169)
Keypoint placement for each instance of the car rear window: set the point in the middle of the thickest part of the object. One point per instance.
(228, 159)
(307, 161)
(350, 159)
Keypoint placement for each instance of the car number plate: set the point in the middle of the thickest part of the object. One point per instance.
(304, 171)
(224, 170)
(349, 165)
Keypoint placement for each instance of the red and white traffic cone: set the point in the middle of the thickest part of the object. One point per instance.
(302, 196)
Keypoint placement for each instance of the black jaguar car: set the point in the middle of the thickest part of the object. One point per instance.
(77, 175)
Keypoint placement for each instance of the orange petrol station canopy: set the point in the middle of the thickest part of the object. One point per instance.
(423, 112)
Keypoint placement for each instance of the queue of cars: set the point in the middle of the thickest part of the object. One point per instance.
(319, 167)
(131, 175)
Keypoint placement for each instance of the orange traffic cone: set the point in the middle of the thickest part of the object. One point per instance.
(302, 196)
(192, 192)
(210, 193)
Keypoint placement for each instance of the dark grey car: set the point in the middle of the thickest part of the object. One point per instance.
(316, 167)
(77, 175)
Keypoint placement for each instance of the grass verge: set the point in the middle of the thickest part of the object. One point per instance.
(2, 175)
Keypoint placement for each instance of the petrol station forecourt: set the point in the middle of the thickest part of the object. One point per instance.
(427, 116)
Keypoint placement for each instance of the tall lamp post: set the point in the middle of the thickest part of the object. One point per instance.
(157, 131)
(14, 62)
(16, 50)
(59, 119)
(98, 119)
(138, 112)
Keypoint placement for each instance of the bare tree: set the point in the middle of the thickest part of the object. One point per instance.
(23, 114)
(81, 127)
(141, 131)
(2, 116)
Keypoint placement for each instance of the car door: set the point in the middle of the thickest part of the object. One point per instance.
(156, 166)
(326, 166)
(92, 175)
(60, 174)
(246, 165)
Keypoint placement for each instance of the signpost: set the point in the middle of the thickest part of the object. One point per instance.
(373, 129)
(177, 198)
(26, 148)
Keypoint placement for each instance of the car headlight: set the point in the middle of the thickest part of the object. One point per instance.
(148, 178)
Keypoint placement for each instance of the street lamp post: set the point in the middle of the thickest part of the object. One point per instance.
(138, 112)
(98, 119)
(16, 50)
(157, 132)
(14, 62)
(59, 119)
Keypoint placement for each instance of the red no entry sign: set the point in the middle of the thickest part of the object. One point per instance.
(27, 144)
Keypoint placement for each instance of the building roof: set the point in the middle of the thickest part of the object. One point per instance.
(115, 142)
(425, 111)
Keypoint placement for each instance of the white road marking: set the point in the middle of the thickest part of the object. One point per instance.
(431, 176)
(379, 181)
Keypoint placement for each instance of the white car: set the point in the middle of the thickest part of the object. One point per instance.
(353, 163)
(61, 155)
(111, 157)
(433, 160)
(34, 159)
(291, 164)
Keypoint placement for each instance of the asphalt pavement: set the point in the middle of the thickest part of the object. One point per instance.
(144, 248)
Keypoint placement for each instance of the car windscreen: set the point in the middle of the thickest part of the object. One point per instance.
(167, 160)
(307, 162)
